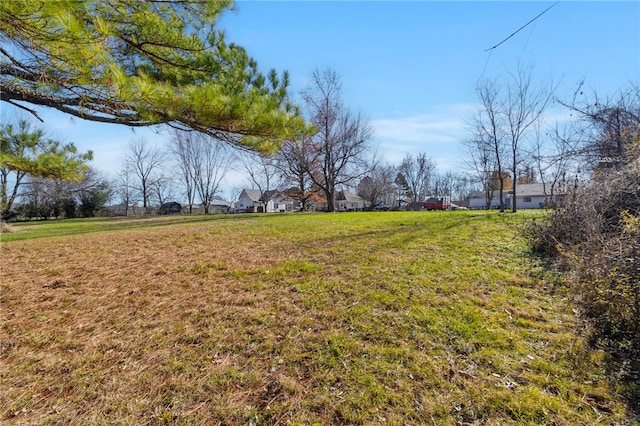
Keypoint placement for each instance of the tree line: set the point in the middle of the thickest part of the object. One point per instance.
(337, 153)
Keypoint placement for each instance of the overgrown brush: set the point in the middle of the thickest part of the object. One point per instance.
(594, 236)
(5, 227)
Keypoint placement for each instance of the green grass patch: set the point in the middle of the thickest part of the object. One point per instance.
(360, 318)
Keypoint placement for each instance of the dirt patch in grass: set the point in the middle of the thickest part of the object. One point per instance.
(369, 322)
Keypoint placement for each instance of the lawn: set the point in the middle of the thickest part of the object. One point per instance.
(389, 318)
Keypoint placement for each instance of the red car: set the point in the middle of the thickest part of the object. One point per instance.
(437, 203)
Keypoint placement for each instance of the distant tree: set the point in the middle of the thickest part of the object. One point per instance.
(141, 63)
(378, 186)
(419, 174)
(123, 188)
(25, 151)
(509, 110)
(489, 137)
(35, 203)
(92, 200)
(264, 175)
(481, 161)
(144, 162)
(445, 183)
(340, 145)
(523, 108)
(203, 163)
(51, 197)
(464, 185)
(163, 190)
(70, 207)
(607, 139)
(402, 189)
(293, 160)
(184, 151)
(212, 162)
(553, 160)
(60, 195)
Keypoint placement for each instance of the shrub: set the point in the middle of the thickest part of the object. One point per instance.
(594, 236)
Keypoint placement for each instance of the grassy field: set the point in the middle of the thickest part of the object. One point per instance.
(394, 318)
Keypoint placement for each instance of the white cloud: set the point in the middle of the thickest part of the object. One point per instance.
(438, 134)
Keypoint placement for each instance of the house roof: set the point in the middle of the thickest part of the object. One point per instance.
(253, 194)
(345, 195)
(273, 194)
(477, 194)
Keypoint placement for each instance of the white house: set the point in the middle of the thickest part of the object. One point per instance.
(249, 201)
(348, 201)
(278, 202)
(253, 201)
(528, 196)
(344, 201)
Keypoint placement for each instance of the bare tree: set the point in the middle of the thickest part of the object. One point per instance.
(524, 105)
(553, 159)
(293, 161)
(378, 185)
(203, 163)
(341, 142)
(163, 190)
(211, 163)
(144, 162)
(481, 162)
(445, 183)
(506, 116)
(609, 127)
(419, 175)
(124, 189)
(264, 175)
(489, 134)
(183, 151)
(463, 186)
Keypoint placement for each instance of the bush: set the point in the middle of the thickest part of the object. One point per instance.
(594, 236)
(7, 215)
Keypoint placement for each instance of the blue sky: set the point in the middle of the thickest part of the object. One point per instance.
(411, 66)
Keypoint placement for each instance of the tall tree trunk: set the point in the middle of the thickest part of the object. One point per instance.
(331, 199)
(515, 183)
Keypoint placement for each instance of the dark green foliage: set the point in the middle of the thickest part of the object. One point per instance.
(69, 206)
(93, 200)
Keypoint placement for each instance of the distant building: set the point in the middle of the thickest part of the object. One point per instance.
(528, 196)
(345, 201)
(253, 201)
(172, 207)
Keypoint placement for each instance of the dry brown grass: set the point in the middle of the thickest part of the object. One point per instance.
(296, 320)
(107, 317)
(5, 228)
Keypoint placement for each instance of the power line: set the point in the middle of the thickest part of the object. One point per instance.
(522, 27)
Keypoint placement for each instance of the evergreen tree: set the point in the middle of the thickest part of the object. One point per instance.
(141, 63)
(26, 151)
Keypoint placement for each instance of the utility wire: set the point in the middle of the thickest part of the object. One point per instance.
(522, 27)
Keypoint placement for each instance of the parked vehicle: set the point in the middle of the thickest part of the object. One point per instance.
(438, 203)
(380, 207)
